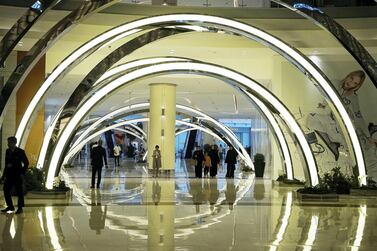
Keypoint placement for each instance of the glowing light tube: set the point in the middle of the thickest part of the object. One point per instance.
(279, 135)
(243, 154)
(229, 25)
(80, 145)
(246, 82)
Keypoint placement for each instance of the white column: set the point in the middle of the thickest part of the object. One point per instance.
(161, 130)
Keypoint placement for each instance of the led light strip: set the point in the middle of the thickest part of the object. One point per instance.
(244, 155)
(77, 148)
(247, 159)
(279, 134)
(249, 84)
(79, 145)
(46, 140)
(229, 25)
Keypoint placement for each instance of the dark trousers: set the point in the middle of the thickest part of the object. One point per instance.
(96, 169)
(206, 170)
(198, 171)
(116, 160)
(8, 185)
(230, 170)
(213, 171)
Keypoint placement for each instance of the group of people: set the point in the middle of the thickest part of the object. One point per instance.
(208, 161)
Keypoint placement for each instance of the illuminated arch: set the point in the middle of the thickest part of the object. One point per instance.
(269, 117)
(235, 27)
(74, 150)
(123, 68)
(245, 82)
(124, 110)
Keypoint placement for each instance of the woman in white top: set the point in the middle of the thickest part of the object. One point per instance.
(117, 151)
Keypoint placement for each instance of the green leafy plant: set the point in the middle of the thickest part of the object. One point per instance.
(258, 157)
(337, 181)
(34, 179)
(318, 189)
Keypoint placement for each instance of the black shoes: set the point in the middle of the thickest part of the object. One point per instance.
(7, 209)
(19, 210)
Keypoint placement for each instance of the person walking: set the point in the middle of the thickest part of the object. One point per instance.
(98, 155)
(117, 150)
(215, 159)
(156, 165)
(231, 160)
(16, 164)
(199, 158)
(207, 164)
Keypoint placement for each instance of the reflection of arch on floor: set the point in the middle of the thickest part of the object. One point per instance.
(74, 150)
(141, 107)
(244, 30)
(208, 69)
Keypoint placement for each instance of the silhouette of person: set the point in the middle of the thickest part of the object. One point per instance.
(214, 192)
(98, 155)
(231, 161)
(230, 193)
(97, 217)
(16, 164)
(196, 192)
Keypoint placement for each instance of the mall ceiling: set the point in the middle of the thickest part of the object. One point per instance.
(210, 95)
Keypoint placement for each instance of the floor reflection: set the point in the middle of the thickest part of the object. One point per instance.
(178, 213)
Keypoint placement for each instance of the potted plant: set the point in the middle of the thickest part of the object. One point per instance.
(259, 165)
(330, 185)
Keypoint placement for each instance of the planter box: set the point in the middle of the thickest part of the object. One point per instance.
(51, 194)
(364, 192)
(283, 184)
(317, 197)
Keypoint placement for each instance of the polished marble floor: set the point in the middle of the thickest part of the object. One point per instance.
(132, 211)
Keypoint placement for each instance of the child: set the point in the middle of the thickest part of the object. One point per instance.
(207, 164)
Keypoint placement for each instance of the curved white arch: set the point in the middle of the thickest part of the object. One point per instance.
(74, 150)
(184, 66)
(234, 26)
(204, 116)
(277, 130)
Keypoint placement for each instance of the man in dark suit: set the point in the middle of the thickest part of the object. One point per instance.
(98, 155)
(231, 160)
(198, 156)
(16, 164)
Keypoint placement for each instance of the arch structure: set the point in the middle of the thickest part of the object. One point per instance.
(248, 31)
(22, 26)
(179, 67)
(122, 69)
(122, 112)
(74, 150)
(9, 90)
